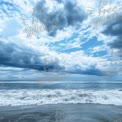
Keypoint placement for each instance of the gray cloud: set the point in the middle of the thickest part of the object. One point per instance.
(91, 70)
(15, 55)
(70, 15)
(117, 43)
(115, 29)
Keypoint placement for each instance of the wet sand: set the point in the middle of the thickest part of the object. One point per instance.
(62, 113)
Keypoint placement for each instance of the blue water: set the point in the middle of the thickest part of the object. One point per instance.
(61, 85)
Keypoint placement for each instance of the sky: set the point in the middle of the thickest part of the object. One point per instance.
(60, 39)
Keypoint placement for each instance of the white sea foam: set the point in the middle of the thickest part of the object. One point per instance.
(40, 97)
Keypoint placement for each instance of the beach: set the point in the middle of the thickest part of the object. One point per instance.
(62, 113)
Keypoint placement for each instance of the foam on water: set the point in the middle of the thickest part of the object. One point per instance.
(40, 97)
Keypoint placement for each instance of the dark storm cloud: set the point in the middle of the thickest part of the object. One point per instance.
(92, 70)
(14, 55)
(70, 15)
(117, 43)
(115, 29)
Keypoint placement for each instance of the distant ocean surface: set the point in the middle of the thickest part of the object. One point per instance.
(20, 93)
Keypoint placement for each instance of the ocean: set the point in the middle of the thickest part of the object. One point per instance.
(59, 101)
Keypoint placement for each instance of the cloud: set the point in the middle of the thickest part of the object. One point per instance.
(14, 55)
(93, 70)
(59, 1)
(22, 56)
(114, 29)
(68, 15)
(65, 46)
(80, 63)
(12, 73)
(8, 8)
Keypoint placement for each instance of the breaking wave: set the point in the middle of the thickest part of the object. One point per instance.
(41, 97)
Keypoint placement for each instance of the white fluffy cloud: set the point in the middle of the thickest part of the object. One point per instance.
(45, 52)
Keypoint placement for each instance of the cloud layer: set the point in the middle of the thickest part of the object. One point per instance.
(70, 14)
(115, 29)
(70, 43)
(15, 55)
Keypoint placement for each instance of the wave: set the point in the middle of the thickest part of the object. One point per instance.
(41, 97)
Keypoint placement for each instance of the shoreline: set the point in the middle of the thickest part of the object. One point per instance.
(61, 113)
